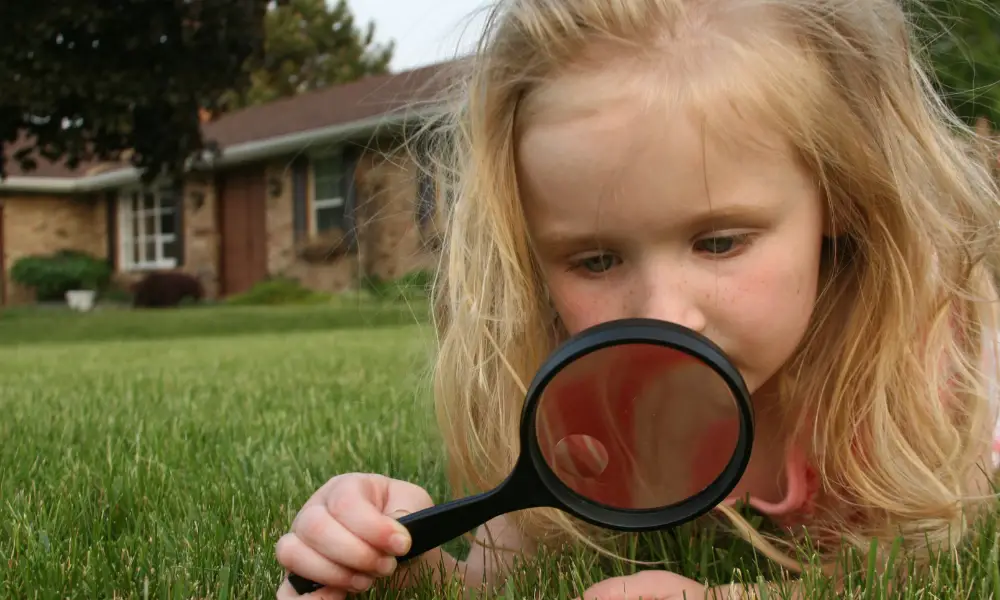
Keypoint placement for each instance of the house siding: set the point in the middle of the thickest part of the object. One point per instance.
(45, 224)
(389, 242)
(200, 236)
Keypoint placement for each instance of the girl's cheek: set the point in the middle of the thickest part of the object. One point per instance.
(582, 306)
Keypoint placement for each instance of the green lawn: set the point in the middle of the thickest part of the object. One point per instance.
(167, 465)
(32, 326)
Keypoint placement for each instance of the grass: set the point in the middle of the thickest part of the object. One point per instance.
(168, 466)
(33, 326)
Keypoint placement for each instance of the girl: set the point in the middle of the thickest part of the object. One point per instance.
(775, 174)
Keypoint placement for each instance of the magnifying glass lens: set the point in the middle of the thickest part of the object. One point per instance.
(637, 426)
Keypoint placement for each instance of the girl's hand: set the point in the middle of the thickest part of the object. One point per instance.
(648, 585)
(664, 585)
(347, 534)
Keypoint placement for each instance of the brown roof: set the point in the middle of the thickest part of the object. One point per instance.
(368, 97)
(365, 98)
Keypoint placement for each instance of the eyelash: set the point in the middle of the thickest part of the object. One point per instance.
(740, 241)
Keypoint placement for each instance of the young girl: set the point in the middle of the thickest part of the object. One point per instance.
(775, 174)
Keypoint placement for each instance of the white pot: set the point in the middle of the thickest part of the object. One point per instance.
(81, 300)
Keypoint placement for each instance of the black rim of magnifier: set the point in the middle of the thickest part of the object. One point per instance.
(659, 333)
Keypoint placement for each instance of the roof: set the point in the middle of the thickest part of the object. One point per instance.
(363, 104)
(368, 97)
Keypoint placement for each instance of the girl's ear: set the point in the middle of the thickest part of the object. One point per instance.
(833, 225)
(832, 228)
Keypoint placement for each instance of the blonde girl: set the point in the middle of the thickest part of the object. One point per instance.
(775, 174)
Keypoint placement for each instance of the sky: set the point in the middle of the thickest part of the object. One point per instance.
(424, 31)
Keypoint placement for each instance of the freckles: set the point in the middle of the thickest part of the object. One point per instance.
(577, 308)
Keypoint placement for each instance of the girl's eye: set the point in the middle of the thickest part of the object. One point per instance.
(599, 263)
(721, 244)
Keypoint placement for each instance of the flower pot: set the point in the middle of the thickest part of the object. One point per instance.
(81, 300)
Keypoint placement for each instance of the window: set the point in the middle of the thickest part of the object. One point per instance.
(147, 229)
(328, 193)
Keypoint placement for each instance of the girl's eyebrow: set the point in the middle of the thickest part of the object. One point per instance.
(733, 215)
(572, 231)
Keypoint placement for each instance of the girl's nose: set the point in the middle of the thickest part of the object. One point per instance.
(675, 303)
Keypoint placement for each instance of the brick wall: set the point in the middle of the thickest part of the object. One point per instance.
(389, 241)
(201, 233)
(201, 236)
(283, 259)
(45, 224)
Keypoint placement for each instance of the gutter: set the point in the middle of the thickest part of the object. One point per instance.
(233, 155)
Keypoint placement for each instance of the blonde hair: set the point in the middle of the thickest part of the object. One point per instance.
(916, 215)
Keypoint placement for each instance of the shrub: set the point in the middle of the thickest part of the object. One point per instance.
(166, 289)
(117, 294)
(414, 285)
(278, 290)
(52, 275)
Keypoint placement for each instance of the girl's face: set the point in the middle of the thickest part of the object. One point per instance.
(639, 213)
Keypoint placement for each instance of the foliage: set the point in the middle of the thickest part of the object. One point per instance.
(84, 80)
(963, 44)
(52, 275)
(411, 286)
(278, 290)
(117, 294)
(310, 44)
(166, 289)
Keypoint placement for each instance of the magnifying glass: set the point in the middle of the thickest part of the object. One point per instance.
(631, 425)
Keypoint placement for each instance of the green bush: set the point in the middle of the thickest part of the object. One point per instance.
(276, 291)
(52, 275)
(415, 285)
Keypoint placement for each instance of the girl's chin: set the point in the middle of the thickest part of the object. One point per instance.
(761, 387)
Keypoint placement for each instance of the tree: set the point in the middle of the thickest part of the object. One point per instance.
(310, 45)
(87, 80)
(963, 44)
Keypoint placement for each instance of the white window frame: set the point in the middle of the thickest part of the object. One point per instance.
(127, 237)
(318, 203)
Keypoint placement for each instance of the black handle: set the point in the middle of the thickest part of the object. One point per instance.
(431, 527)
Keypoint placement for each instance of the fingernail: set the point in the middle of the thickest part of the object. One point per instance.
(360, 583)
(386, 565)
(399, 543)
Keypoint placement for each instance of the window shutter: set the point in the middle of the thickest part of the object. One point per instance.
(300, 181)
(179, 206)
(352, 155)
(111, 203)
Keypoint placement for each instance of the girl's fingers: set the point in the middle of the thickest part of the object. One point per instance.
(287, 592)
(328, 537)
(296, 556)
(366, 521)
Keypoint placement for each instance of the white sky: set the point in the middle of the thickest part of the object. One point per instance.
(425, 31)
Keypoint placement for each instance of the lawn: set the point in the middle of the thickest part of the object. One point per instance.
(155, 462)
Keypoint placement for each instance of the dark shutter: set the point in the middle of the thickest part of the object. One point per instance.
(111, 203)
(179, 204)
(352, 155)
(300, 204)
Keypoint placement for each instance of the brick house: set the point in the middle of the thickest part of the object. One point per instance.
(311, 187)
